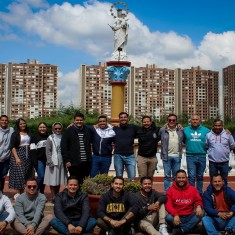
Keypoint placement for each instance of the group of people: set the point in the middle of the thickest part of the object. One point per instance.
(88, 150)
(23, 153)
(120, 212)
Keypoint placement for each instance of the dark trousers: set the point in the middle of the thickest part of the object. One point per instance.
(81, 171)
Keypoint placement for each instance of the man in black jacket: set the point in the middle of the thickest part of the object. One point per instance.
(151, 208)
(116, 209)
(72, 210)
(76, 148)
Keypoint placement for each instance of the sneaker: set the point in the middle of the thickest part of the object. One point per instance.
(163, 229)
(177, 231)
(228, 231)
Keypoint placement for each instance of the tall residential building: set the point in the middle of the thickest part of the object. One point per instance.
(198, 92)
(32, 89)
(3, 78)
(229, 91)
(154, 91)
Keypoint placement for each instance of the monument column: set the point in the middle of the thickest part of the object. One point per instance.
(118, 68)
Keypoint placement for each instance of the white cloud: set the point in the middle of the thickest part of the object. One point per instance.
(68, 88)
(85, 27)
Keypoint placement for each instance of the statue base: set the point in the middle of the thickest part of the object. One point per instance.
(118, 63)
(118, 73)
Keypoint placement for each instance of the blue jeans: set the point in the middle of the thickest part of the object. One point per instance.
(100, 165)
(188, 222)
(196, 166)
(214, 224)
(40, 175)
(3, 216)
(4, 168)
(219, 167)
(171, 166)
(128, 161)
(60, 227)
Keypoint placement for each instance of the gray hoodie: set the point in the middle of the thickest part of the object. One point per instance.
(5, 137)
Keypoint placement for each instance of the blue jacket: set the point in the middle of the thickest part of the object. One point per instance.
(210, 203)
(219, 146)
(164, 136)
(195, 140)
(102, 140)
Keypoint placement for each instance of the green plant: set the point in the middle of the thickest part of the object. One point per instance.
(101, 184)
(132, 186)
(98, 185)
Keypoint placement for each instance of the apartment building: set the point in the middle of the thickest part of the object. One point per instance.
(198, 92)
(154, 91)
(32, 89)
(229, 91)
(3, 78)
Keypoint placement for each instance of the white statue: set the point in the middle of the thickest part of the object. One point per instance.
(120, 29)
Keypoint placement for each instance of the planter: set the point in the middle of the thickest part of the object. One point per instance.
(94, 202)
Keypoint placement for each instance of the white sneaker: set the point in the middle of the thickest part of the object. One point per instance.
(163, 229)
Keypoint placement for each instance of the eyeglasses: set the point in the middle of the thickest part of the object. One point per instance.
(57, 129)
(171, 120)
(31, 186)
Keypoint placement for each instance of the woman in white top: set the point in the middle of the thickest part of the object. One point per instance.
(21, 166)
(55, 171)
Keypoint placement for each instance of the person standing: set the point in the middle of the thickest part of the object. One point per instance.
(184, 205)
(123, 151)
(219, 205)
(195, 140)
(55, 173)
(103, 138)
(76, 148)
(5, 151)
(72, 210)
(151, 208)
(21, 166)
(147, 141)
(219, 144)
(171, 149)
(38, 153)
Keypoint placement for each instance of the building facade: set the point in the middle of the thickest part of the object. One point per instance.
(32, 89)
(198, 92)
(229, 91)
(154, 91)
(3, 79)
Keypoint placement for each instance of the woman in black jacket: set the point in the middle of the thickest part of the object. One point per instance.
(38, 153)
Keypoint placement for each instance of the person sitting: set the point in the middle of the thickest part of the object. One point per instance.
(72, 210)
(29, 210)
(184, 205)
(219, 204)
(7, 212)
(116, 209)
(151, 208)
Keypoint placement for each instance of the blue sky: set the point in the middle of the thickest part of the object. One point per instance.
(170, 34)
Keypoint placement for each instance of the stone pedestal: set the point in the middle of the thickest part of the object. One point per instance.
(118, 73)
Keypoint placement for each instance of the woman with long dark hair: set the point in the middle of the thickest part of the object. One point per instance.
(21, 166)
(38, 153)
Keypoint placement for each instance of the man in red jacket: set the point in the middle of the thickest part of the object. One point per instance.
(184, 205)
